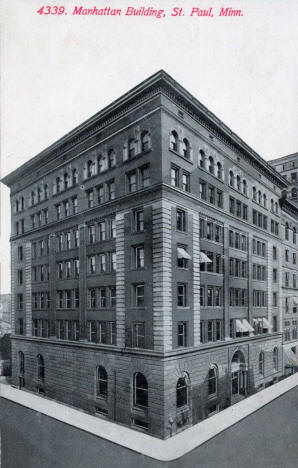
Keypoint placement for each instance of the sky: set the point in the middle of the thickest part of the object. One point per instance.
(58, 70)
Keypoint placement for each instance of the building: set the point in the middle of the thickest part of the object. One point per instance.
(5, 313)
(287, 166)
(143, 248)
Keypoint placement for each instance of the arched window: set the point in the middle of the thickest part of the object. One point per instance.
(102, 163)
(75, 177)
(294, 235)
(111, 158)
(140, 390)
(294, 193)
(254, 193)
(58, 185)
(38, 195)
(275, 359)
(219, 170)
(174, 141)
(264, 200)
(66, 180)
(40, 367)
(46, 191)
(181, 392)
(287, 230)
(238, 183)
(146, 141)
(244, 187)
(131, 148)
(259, 197)
(185, 148)
(272, 205)
(102, 382)
(261, 363)
(90, 168)
(212, 380)
(231, 178)
(276, 207)
(211, 165)
(202, 159)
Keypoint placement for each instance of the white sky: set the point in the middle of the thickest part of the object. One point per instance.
(57, 71)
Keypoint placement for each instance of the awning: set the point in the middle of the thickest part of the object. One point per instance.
(240, 328)
(266, 324)
(291, 360)
(204, 258)
(235, 366)
(247, 325)
(181, 253)
(295, 300)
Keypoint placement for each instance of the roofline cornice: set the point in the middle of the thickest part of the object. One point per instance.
(159, 83)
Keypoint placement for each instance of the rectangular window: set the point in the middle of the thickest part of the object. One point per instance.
(139, 295)
(76, 264)
(185, 182)
(219, 198)
(144, 177)
(92, 264)
(211, 194)
(181, 295)
(100, 194)
(139, 335)
(68, 268)
(76, 238)
(102, 263)
(77, 298)
(132, 182)
(181, 220)
(232, 205)
(202, 298)
(58, 212)
(218, 233)
(91, 232)
(113, 228)
(102, 230)
(68, 240)
(113, 298)
(112, 333)
(102, 297)
(20, 253)
(210, 296)
(92, 298)
(90, 198)
(203, 190)
(111, 190)
(209, 231)
(60, 299)
(20, 276)
(275, 299)
(75, 206)
(60, 270)
(182, 334)
(139, 256)
(139, 220)
(175, 176)
(20, 301)
(113, 260)
(68, 299)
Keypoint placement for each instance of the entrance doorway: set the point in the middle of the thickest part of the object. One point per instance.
(238, 377)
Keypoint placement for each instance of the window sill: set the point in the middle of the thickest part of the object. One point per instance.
(181, 156)
(138, 155)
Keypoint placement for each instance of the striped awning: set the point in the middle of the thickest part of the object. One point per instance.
(181, 253)
(247, 325)
(204, 258)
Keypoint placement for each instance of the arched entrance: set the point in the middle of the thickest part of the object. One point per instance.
(238, 377)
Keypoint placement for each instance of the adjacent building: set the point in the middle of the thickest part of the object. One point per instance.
(147, 268)
(287, 166)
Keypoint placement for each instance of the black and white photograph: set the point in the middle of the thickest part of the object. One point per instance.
(149, 234)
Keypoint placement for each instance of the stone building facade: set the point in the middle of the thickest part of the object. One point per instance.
(143, 247)
(287, 166)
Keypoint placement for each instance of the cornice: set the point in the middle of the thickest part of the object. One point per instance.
(159, 83)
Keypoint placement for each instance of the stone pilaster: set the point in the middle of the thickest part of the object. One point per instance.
(14, 259)
(196, 278)
(28, 288)
(162, 276)
(120, 280)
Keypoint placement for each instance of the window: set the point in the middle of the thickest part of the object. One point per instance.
(181, 295)
(132, 182)
(102, 382)
(202, 159)
(275, 359)
(60, 270)
(90, 198)
(182, 260)
(58, 211)
(68, 240)
(139, 335)
(20, 253)
(140, 390)
(202, 301)
(203, 190)
(113, 262)
(211, 194)
(174, 141)
(40, 367)
(181, 220)
(186, 182)
(139, 256)
(131, 148)
(274, 253)
(175, 176)
(91, 232)
(102, 297)
(102, 263)
(181, 392)
(75, 177)
(211, 165)
(231, 179)
(274, 299)
(75, 206)
(111, 158)
(139, 295)
(212, 381)
(232, 205)
(219, 171)
(68, 299)
(186, 148)
(102, 230)
(113, 228)
(244, 187)
(100, 194)
(182, 335)
(145, 141)
(76, 238)
(294, 235)
(46, 215)
(20, 301)
(111, 190)
(144, 177)
(238, 182)
(219, 198)
(139, 220)
(90, 168)
(58, 185)
(261, 363)
(20, 276)
(210, 296)
(287, 230)
(92, 267)
(21, 369)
